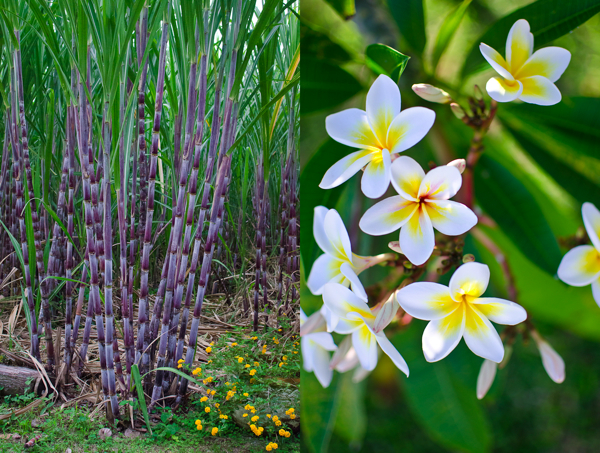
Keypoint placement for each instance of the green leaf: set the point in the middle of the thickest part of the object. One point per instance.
(325, 85)
(383, 59)
(312, 195)
(319, 409)
(444, 405)
(135, 373)
(569, 159)
(410, 18)
(549, 20)
(447, 30)
(351, 420)
(346, 8)
(506, 200)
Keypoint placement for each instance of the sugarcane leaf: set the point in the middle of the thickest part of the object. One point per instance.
(135, 373)
(48, 148)
(16, 245)
(382, 59)
(448, 29)
(325, 85)
(506, 200)
(548, 19)
(410, 18)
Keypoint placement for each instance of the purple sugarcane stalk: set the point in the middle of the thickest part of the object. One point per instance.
(143, 305)
(141, 48)
(108, 273)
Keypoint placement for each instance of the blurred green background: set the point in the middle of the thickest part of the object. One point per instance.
(540, 164)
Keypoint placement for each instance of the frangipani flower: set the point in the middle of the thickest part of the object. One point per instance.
(581, 265)
(316, 346)
(345, 359)
(421, 205)
(525, 75)
(338, 264)
(459, 311)
(379, 132)
(365, 325)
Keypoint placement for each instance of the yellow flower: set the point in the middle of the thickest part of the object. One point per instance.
(269, 415)
(295, 352)
(244, 415)
(284, 358)
(252, 372)
(204, 398)
(287, 434)
(199, 427)
(275, 418)
(275, 340)
(179, 366)
(247, 366)
(217, 404)
(254, 418)
(277, 423)
(268, 447)
(280, 364)
(278, 330)
(274, 445)
(210, 361)
(197, 371)
(256, 364)
(212, 343)
(255, 338)
(207, 409)
(253, 410)
(208, 350)
(233, 344)
(240, 359)
(293, 416)
(282, 432)
(214, 431)
(213, 392)
(245, 394)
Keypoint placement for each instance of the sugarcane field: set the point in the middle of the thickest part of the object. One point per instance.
(149, 226)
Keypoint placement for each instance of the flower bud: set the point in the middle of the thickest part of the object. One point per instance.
(431, 93)
(385, 313)
(552, 361)
(487, 373)
(458, 111)
(395, 246)
(468, 258)
(460, 164)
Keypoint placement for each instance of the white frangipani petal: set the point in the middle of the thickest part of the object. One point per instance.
(323, 372)
(319, 230)
(388, 348)
(496, 61)
(407, 175)
(426, 300)
(341, 301)
(331, 319)
(470, 279)
(338, 235)
(408, 128)
(325, 269)
(312, 324)
(501, 311)
(539, 90)
(441, 183)
(596, 291)
(348, 272)
(502, 90)
(345, 168)
(519, 45)
(450, 218)
(316, 357)
(351, 127)
(580, 266)
(481, 337)
(385, 314)
(383, 105)
(486, 376)
(549, 62)
(417, 239)
(377, 175)
(365, 345)
(442, 335)
(591, 220)
(387, 216)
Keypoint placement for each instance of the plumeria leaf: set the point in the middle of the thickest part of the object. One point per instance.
(325, 85)
(448, 29)
(410, 18)
(504, 198)
(549, 20)
(382, 59)
(351, 421)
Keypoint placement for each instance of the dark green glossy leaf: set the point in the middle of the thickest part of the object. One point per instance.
(448, 29)
(325, 85)
(410, 18)
(312, 195)
(345, 8)
(445, 405)
(383, 59)
(549, 20)
(319, 410)
(506, 200)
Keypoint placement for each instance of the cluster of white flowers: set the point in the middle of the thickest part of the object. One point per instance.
(421, 205)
